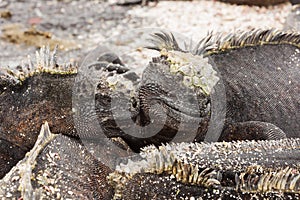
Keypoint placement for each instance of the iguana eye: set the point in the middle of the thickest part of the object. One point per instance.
(134, 102)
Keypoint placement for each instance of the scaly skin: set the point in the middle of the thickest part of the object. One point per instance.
(261, 84)
(234, 170)
(260, 72)
(61, 167)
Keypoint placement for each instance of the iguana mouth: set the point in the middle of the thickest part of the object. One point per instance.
(186, 104)
(183, 110)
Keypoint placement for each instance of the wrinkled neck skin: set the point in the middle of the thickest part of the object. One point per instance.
(166, 108)
(155, 110)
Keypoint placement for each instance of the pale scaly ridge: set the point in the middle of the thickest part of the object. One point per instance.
(24, 168)
(45, 62)
(203, 164)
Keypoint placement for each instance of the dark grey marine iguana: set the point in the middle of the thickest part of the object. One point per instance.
(261, 48)
(262, 93)
(226, 170)
(257, 89)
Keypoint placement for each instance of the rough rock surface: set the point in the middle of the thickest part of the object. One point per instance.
(85, 24)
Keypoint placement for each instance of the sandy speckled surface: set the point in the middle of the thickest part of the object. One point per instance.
(80, 26)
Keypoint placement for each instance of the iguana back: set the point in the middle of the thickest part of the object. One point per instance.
(262, 84)
(259, 71)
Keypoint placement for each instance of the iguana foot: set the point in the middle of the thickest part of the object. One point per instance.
(252, 130)
(110, 58)
(110, 61)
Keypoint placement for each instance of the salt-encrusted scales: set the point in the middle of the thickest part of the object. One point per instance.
(45, 62)
(30, 95)
(66, 169)
(57, 167)
(241, 169)
(258, 79)
(220, 42)
(138, 188)
(196, 71)
(18, 181)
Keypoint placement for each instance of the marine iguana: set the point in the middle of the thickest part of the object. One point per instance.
(30, 95)
(259, 71)
(248, 81)
(222, 170)
(57, 167)
(37, 91)
(263, 48)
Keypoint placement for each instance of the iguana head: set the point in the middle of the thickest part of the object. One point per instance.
(179, 83)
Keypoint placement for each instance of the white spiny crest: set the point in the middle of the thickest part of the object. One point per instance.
(217, 42)
(203, 164)
(45, 61)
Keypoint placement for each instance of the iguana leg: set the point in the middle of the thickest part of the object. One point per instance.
(251, 130)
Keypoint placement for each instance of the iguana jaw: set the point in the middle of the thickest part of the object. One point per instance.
(161, 104)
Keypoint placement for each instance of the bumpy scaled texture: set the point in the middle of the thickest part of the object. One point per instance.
(236, 170)
(29, 95)
(57, 167)
(41, 90)
(250, 79)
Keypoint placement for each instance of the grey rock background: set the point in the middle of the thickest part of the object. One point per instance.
(79, 26)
